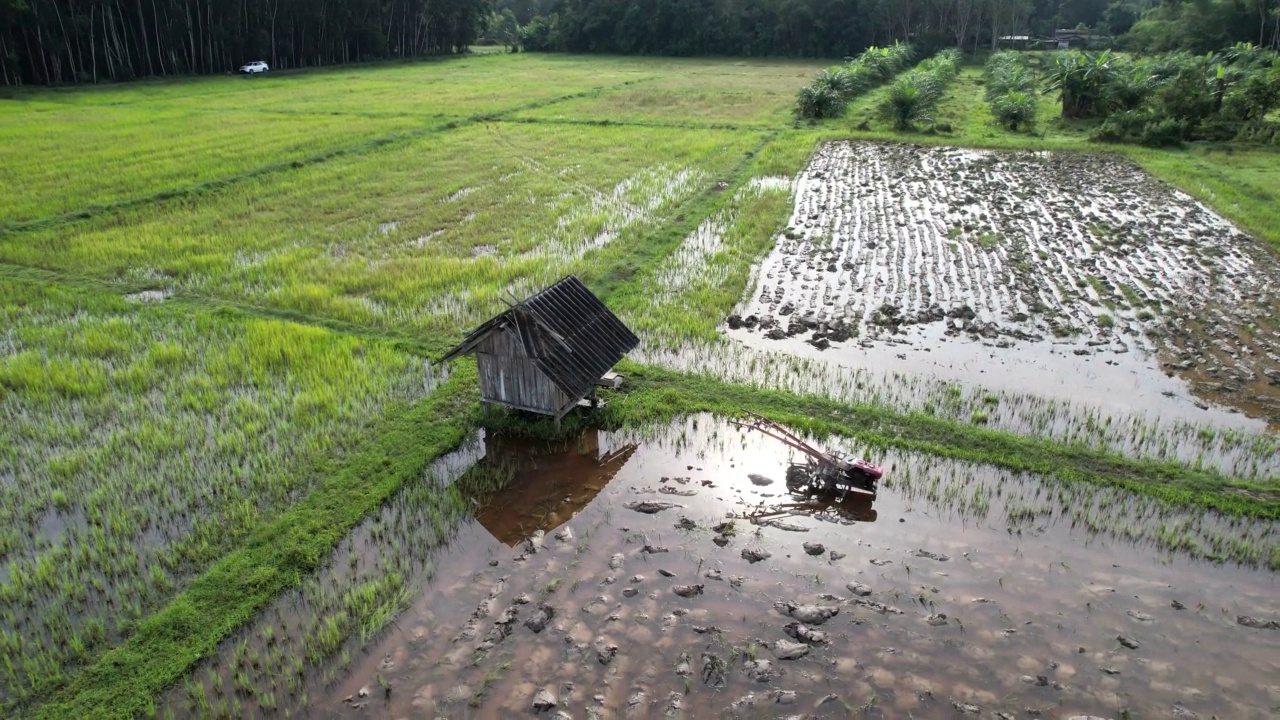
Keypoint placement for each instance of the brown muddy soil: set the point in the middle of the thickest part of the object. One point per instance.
(625, 576)
(1064, 274)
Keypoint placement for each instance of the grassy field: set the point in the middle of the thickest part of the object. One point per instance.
(372, 238)
(735, 93)
(220, 298)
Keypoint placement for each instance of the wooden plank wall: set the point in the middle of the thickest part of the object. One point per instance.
(509, 377)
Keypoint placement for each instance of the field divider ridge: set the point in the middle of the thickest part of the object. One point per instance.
(611, 277)
(609, 122)
(407, 342)
(658, 394)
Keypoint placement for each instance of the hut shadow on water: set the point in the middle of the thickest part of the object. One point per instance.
(547, 483)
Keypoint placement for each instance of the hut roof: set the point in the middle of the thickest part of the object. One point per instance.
(571, 336)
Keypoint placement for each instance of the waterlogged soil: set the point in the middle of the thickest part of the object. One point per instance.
(673, 574)
(1063, 274)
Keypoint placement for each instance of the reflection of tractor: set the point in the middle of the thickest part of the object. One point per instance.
(830, 473)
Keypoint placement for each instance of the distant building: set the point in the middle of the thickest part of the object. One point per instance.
(1061, 40)
(547, 354)
(1020, 42)
(1065, 39)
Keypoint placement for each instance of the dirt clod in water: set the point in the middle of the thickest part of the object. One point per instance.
(687, 591)
(785, 650)
(649, 508)
(806, 634)
(858, 588)
(714, 670)
(544, 700)
(809, 614)
(540, 618)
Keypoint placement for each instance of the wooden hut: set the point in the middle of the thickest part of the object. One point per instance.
(548, 353)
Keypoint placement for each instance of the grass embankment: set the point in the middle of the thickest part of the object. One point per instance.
(124, 680)
(659, 395)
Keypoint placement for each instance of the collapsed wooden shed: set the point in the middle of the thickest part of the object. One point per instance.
(546, 354)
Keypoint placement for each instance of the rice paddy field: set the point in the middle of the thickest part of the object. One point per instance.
(234, 482)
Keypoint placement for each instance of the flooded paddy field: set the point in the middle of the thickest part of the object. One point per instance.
(670, 572)
(1062, 274)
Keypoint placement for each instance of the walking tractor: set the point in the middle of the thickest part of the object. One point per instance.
(822, 472)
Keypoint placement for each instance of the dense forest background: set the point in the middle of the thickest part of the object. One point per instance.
(67, 41)
(834, 28)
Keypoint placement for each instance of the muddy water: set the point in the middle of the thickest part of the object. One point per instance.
(1063, 274)
(1033, 602)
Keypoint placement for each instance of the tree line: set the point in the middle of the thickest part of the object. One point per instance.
(82, 41)
(834, 28)
(64, 41)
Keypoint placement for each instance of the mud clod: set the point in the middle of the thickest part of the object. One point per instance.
(761, 670)
(786, 650)
(650, 507)
(858, 588)
(1257, 623)
(922, 553)
(806, 634)
(687, 591)
(544, 700)
(540, 618)
(809, 614)
(714, 670)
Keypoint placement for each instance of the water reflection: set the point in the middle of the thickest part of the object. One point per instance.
(550, 483)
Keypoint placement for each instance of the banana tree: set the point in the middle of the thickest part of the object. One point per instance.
(1080, 79)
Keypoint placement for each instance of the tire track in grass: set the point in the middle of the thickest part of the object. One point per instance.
(366, 146)
(413, 343)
